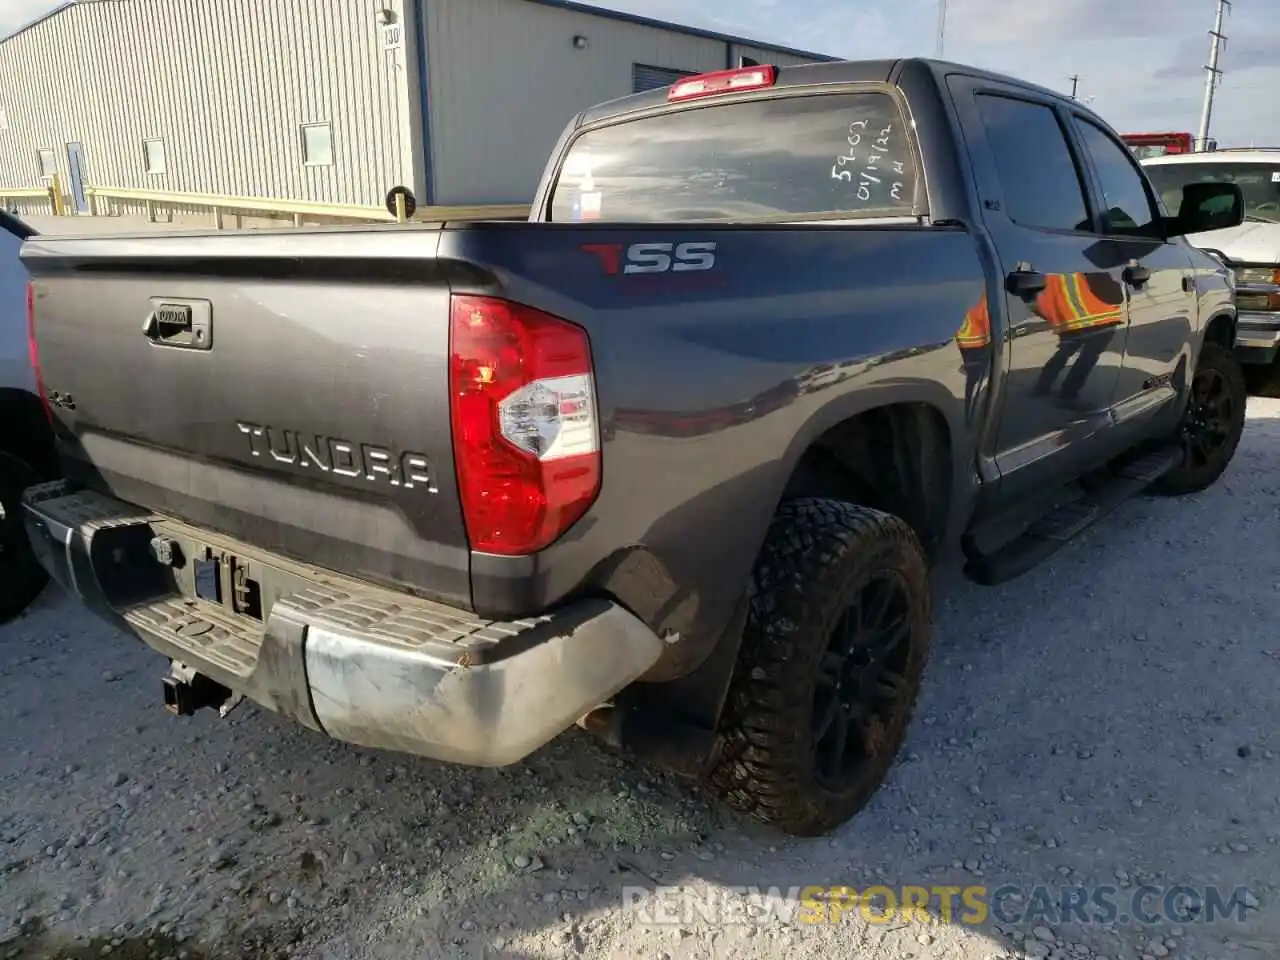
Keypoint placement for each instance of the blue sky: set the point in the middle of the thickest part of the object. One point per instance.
(1141, 60)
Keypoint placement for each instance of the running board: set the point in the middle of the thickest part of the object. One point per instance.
(1058, 527)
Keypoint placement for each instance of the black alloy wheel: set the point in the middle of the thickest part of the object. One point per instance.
(862, 684)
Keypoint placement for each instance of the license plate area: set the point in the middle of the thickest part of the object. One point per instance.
(230, 581)
(208, 586)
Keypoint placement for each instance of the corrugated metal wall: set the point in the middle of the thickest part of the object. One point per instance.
(505, 79)
(226, 84)
(645, 77)
(765, 55)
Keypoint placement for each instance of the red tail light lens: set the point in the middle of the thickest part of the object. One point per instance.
(33, 351)
(526, 440)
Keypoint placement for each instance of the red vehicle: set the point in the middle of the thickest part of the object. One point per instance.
(1146, 145)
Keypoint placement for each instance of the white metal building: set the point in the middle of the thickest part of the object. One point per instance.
(327, 100)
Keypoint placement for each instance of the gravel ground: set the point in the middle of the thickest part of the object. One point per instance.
(1109, 719)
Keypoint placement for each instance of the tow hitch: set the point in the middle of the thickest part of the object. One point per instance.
(186, 691)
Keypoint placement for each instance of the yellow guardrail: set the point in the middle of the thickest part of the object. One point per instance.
(51, 193)
(152, 201)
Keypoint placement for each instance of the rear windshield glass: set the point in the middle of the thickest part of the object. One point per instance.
(790, 156)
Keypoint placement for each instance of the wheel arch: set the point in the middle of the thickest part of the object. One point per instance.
(925, 447)
(903, 431)
(1221, 329)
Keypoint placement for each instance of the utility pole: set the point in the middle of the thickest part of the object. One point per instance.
(1075, 83)
(942, 27)
(1213, 74)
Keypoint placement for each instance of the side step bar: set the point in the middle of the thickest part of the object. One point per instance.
(1058, 527)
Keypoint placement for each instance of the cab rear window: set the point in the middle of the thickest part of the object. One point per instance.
(846, 154)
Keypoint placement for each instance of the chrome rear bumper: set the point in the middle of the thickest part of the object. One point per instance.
(361, 663)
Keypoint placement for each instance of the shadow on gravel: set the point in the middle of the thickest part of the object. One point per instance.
(1109, 720)
(32, 942)
(1105, 725)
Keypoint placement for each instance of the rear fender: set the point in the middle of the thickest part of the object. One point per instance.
(694, 687)
(889, 392)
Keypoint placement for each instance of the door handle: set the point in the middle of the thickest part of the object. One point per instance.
(1188, 283)
(1135, 274)
(1025, 283)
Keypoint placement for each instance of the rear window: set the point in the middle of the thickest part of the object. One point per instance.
(783, 157)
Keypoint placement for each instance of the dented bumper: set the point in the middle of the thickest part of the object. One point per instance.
(361, 663)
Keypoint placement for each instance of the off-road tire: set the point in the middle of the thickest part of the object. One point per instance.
(21, 576)
(1189, 476)
(817, 557)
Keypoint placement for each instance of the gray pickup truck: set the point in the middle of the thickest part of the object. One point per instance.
(672, 460)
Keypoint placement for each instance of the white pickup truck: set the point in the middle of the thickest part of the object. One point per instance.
(26, 439)
(1252, 249)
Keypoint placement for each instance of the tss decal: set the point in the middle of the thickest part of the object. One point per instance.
(654, 257)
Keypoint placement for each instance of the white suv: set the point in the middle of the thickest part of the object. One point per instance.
(26, 441)
(1252, 249)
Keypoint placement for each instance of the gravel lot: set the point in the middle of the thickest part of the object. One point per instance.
(1111, 718)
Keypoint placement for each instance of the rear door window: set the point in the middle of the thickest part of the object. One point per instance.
(782, 157)
(1038, 175)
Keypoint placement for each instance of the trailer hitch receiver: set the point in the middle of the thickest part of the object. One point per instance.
(186, 691)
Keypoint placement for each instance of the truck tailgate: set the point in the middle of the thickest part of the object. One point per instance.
(285, 388)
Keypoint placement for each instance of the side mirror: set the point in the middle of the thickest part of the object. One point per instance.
(1208, 206)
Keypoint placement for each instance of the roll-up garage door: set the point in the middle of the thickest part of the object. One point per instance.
(644, 77)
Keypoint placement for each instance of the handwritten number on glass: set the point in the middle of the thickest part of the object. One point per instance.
(871, 176)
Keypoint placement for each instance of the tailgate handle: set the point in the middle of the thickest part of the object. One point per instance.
(186, 324)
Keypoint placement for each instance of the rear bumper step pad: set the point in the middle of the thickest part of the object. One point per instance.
(361, 663)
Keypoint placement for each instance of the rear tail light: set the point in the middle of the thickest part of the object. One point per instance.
(526, 439)
(724, 81)
(33, 351)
